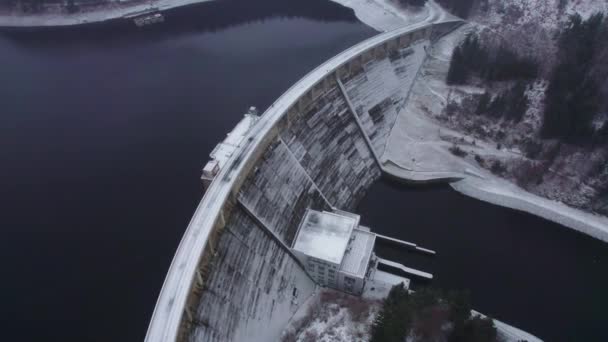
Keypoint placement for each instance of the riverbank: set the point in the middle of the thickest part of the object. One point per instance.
(421, 149)
(387, 15)
(108, 13)
(419, 146)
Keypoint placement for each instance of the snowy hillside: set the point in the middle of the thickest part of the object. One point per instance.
(546, 13)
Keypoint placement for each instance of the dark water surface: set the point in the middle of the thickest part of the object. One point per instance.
(529, 272)
(103, 134)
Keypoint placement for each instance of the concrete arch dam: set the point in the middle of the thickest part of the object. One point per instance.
(232, 277)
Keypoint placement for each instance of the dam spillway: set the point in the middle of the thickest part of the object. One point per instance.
(228, 280)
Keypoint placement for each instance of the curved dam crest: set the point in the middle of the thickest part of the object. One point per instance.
(201, 298)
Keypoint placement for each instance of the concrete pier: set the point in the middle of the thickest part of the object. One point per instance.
(407, 270)
(409, 245)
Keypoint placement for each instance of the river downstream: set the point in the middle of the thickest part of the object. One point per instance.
(534, 274)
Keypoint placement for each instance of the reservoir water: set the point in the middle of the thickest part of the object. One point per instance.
(104, 133)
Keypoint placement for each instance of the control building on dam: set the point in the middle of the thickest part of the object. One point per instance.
(238, 273)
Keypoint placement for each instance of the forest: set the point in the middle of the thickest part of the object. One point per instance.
(474, 62)
(576, 99)
(424, 313)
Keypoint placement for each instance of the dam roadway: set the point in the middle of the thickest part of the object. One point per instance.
(183, 276)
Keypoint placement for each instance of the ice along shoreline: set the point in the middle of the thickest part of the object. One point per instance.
(110, 13)
(465, 178)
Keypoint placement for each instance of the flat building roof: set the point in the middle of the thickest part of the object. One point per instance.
(324, 235)
(358, 253)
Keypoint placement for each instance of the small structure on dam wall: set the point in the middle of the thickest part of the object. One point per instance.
(235, 276)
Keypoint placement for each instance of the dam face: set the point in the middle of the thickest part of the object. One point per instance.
(319, 150)
(309, 150)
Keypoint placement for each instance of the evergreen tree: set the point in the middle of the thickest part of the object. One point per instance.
(475, 329)
(471, 58)
(400, 310)
(392, 322)
(460, 307)
(517, 102)
(461, 8)
(457, 74)
(573, 94)
(497, 106)
(483, 104)
(507, 65)
(417, 3)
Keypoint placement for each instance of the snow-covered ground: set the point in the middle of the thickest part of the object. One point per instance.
(508, 333)
(418, 150)
(545, 13)
(418, 147)
(387, 15)
(332, 316)
(104, 13)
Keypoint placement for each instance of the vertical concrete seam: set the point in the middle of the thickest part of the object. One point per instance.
(275, 237)
(406, 99)
(359, 124)
(290, 152)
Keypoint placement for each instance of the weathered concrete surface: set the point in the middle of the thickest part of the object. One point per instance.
(279, 191)
(325, 139)
(248, 295)
(306, 150)
(380, 89)
(318, 157)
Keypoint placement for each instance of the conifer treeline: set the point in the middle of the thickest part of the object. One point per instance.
(425, 312)
(461, 8)
(578, 86)
(576, 99)
(472, 59)
(413, 2)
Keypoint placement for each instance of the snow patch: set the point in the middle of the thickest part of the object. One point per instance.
(332, 316)
(387, 15)
(418, 149)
